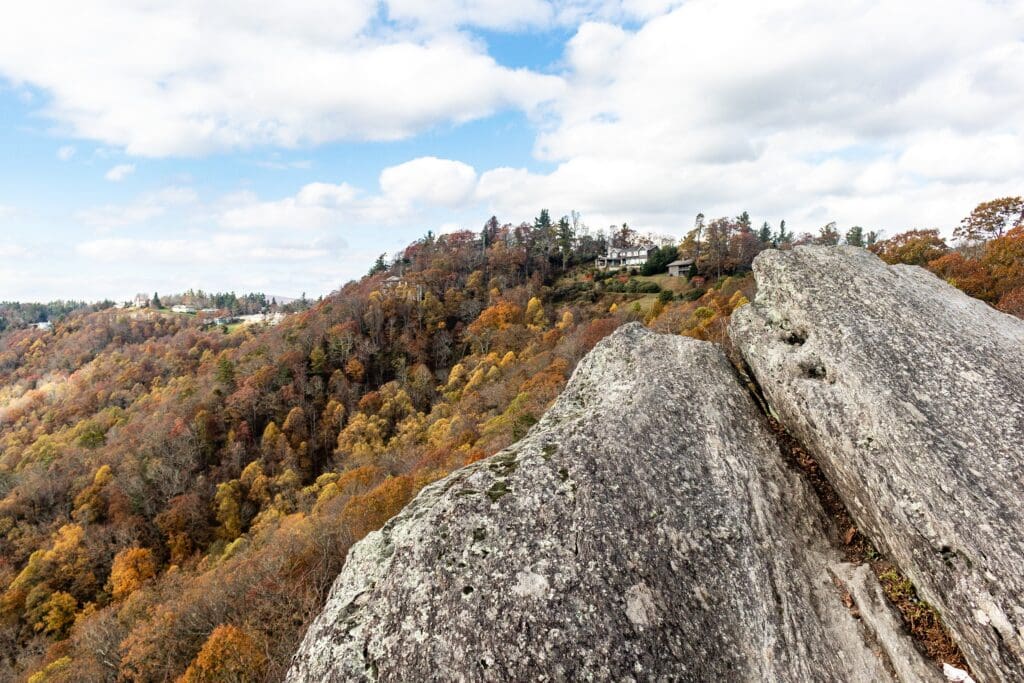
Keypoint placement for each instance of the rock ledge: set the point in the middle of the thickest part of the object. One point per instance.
(646, 529)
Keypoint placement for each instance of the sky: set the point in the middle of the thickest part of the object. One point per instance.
(257, 145)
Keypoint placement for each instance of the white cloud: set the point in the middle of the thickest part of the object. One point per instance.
(316, 205)
(492, 14)
(792, 110)
(426, 181)
(119, 172)
(193, 77)
(12, 251)
(957, 157)
(276, 165)
(892, 115)
(66, 152)
(501, 15)
(214, 249)
(148, 207)
(431, 180)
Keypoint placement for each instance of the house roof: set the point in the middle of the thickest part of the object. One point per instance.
(614, 251)
(682, 262)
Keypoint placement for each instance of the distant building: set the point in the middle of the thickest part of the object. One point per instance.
(262, 318)
(141, 301)
(680, 268)
(401, 287)
(44, 326)
(630, 257)
(183, 308)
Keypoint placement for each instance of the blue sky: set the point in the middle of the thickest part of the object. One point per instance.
(252, 145)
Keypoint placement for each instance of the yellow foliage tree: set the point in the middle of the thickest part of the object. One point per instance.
(58, 615)
(256, 482)
(737, 300)
(295, 426)
(90, 505)
(476, 379)
(228, 500)
(567, 321)
(355, 370)
(131, 569)
(57, 670)
(535, 317)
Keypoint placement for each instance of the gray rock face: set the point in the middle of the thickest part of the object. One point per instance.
(911, 396)
(645, 530)
(884, 623)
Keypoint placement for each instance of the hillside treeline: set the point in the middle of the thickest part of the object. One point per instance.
(175, 502)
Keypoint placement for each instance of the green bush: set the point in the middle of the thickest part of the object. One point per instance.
(659, 259)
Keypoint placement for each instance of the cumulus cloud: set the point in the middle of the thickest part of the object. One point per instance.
(119, 172)
(793, 110)
(892, 115)
(426, 181)
(429, 179)
(492, 14)
(192, 77)
(501, 15)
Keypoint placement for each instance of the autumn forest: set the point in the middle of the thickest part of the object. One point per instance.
(176, 498)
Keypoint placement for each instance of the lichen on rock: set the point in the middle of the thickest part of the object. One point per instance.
(910, 394)
(648, 530)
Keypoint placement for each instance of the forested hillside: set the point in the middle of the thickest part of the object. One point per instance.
(15, 314)
(175, 502)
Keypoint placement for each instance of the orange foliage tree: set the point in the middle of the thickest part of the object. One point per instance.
(132, 567)
(914, 247)
(229, 655)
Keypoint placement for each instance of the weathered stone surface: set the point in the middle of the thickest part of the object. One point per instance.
(911, 396)
(884, 624)
(645, 530)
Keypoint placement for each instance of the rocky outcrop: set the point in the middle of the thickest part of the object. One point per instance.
(911, 396)
(646, 529)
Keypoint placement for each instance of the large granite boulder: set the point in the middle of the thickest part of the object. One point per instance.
(645, 530)
(911, 396)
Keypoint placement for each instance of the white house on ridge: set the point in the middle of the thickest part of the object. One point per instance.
(629, 257)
